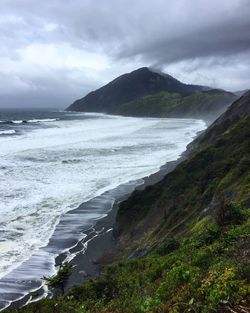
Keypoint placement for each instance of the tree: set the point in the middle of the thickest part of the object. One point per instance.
(58, 280)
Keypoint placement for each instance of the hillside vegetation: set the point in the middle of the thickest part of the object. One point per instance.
(146, 92)
(206, 105)
(183, 243)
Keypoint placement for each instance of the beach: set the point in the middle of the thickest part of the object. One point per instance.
(102, 242)
(78, 174)
(95, 250)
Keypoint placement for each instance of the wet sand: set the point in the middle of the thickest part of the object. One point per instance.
(101, 242)
(93, 251)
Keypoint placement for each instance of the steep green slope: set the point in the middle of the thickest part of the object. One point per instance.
(183, 243)
(207, 105)
(218, 171)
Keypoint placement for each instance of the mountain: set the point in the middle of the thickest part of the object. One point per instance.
(182, 243)
(128, 87)
(205, 105)
(240, 93)
(147, 93)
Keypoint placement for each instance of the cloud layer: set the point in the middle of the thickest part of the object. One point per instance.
(54, 51)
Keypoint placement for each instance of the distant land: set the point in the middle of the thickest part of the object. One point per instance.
(240, 93)
(148, 93)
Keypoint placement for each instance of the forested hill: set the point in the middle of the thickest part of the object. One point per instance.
(145, 92)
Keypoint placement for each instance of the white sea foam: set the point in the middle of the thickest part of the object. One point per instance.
(44, 120)
(7, 132)
(17, 121)
(49, 171)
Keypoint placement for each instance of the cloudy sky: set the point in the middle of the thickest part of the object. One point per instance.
(55, 51)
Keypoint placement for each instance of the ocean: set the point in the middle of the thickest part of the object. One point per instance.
(50, 163)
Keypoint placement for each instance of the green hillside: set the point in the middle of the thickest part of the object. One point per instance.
(183, 243)
(207, 105)
(149, 93)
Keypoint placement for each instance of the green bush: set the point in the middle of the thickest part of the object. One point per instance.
(58, 281)
(222, 286)
(230, 213)
(169, 245)
(178, 275)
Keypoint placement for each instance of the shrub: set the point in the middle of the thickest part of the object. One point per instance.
(229, 213)
(178, 275)
(170, 245)
(59, 280)
(222, 286)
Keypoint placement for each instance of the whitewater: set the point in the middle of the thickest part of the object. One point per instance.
(49, 166)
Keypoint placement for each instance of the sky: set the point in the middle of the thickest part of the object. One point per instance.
(53, 52)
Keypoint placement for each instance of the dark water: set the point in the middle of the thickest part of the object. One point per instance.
(16, 121)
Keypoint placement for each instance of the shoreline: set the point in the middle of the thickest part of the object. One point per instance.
(90, 253)
(88, 265)
(83, 236)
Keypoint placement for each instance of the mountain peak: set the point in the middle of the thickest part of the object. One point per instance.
(154, 71)
(128, 87)
(142, 69)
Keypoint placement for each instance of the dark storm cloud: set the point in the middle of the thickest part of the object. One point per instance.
(69, 47)
(168, 30)
(200, 34)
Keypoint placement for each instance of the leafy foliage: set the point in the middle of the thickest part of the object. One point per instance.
(59, 280)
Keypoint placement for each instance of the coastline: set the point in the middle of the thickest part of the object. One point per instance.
(93, 249)
(88, 264)
(90, 253)
(83, 236)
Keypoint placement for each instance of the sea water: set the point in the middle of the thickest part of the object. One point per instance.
(51, 162)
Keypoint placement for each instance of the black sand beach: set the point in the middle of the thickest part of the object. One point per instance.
(87, 264)
(88, 254)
